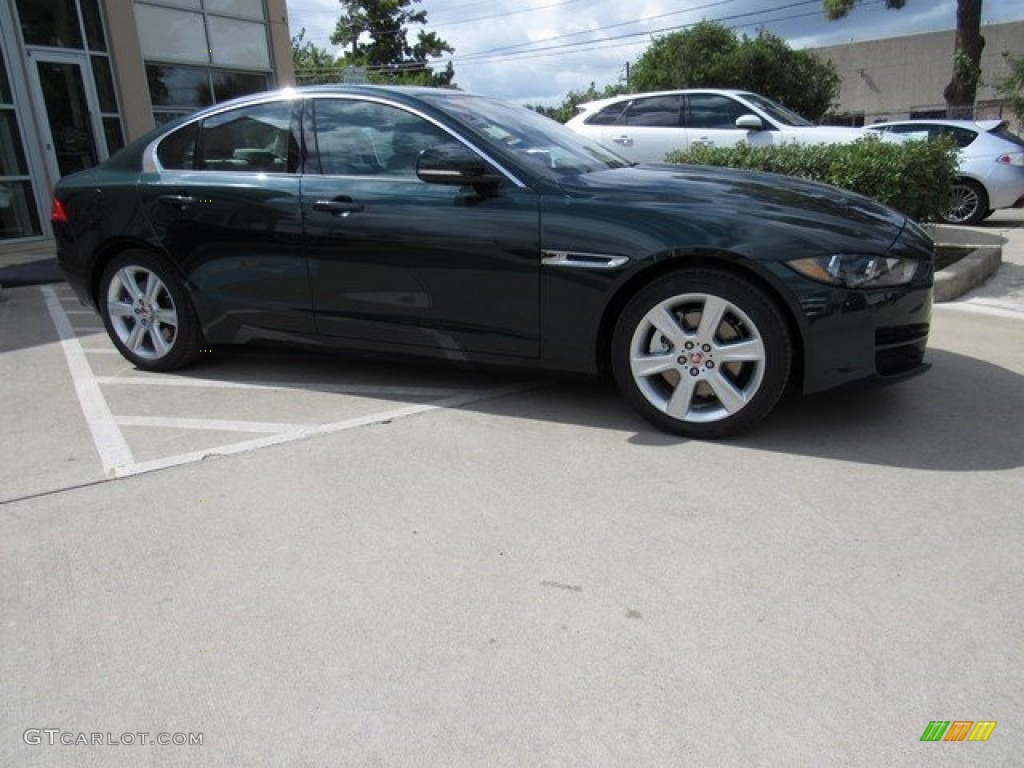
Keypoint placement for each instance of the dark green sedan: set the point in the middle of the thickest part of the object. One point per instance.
(442, 224)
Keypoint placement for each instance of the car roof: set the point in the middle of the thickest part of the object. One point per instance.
(974, 125)
(405, 93)
(599, 103)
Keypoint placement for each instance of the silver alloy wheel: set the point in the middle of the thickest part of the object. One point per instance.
(142, 312)
(965, 204)
(697, 357)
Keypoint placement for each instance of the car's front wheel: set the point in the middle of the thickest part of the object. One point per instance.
(970, 203)
(148, 313)
(702, 353)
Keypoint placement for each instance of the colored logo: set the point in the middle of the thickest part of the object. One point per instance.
(958, 730)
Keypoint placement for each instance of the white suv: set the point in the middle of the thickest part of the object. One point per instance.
(644, 127)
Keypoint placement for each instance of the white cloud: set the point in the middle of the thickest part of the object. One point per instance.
(478, 28)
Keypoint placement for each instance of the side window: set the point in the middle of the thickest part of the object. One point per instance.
(362, 138)
(255, 139)
(711, 110)
(177, 152)
(657, 111)
(610, 115)
(963, 137)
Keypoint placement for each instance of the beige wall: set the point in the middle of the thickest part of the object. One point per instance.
(281, 42)
(129, 70)
(889, 78)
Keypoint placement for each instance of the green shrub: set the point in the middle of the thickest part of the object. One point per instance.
(915, 177)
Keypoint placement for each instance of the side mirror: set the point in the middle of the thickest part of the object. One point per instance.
(750, 123)
(455, 165)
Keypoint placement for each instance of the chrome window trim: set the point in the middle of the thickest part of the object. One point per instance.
(150, 163)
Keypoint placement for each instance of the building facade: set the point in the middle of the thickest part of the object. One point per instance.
(80, 78)
(903, 77)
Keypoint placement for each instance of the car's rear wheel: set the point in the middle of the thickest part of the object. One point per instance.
(970, 203)
(702, 353)
(148, 313)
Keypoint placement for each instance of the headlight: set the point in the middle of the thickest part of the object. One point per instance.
(855, 270)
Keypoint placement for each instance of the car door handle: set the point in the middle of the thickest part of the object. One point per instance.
(703, 141)
(339, 205)
(625, 141)
(178, 201)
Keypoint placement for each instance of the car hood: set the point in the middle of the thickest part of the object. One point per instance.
(745, 204)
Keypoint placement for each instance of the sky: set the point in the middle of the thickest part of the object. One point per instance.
(536, 51)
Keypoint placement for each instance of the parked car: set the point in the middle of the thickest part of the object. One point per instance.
(440, 224)
(991, 162)
(644, 127)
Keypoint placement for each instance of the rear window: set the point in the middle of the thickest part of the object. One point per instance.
(1004, 134)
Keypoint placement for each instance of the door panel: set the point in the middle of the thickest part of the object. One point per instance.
(227, 210)
(398, 261)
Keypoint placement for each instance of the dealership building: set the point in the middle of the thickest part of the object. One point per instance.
(80, 78)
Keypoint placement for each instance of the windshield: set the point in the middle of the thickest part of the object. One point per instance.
(777, 112)
(543, 145)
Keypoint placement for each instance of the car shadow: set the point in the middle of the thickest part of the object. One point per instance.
(962, 416)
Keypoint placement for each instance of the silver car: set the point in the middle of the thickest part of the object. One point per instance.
(644, 127)
(991, 164)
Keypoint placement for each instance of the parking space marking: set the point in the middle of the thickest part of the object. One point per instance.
(218, 425)
(116, 456)
(106, 435)
(472, 396)
(342, 389)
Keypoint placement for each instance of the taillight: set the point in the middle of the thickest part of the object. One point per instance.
(57, 213)
(1011, 158)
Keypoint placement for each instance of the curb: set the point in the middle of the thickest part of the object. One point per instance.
(967, 273)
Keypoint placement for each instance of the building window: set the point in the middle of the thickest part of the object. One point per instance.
(18, 215)
(178, 91)
(53, 23)
(77, 25)
(201, 52)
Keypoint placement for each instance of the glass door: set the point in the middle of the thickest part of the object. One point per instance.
(69, 113)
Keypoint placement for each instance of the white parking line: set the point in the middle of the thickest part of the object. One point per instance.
(347, 389)
(215, 425)
(116, 456)
(326, 429)
(98, 351)
(110, 443)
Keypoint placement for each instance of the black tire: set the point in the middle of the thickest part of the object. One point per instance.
(155, 327)
(970, 203)
(688, 384)
(988, 213)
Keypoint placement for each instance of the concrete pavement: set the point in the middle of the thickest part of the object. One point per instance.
(532, 580)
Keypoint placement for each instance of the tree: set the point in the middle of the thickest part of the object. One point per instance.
(567, 109)
(375, 32)
(711, 55)
(313, 64)
(1012, 87)
(963, 87)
